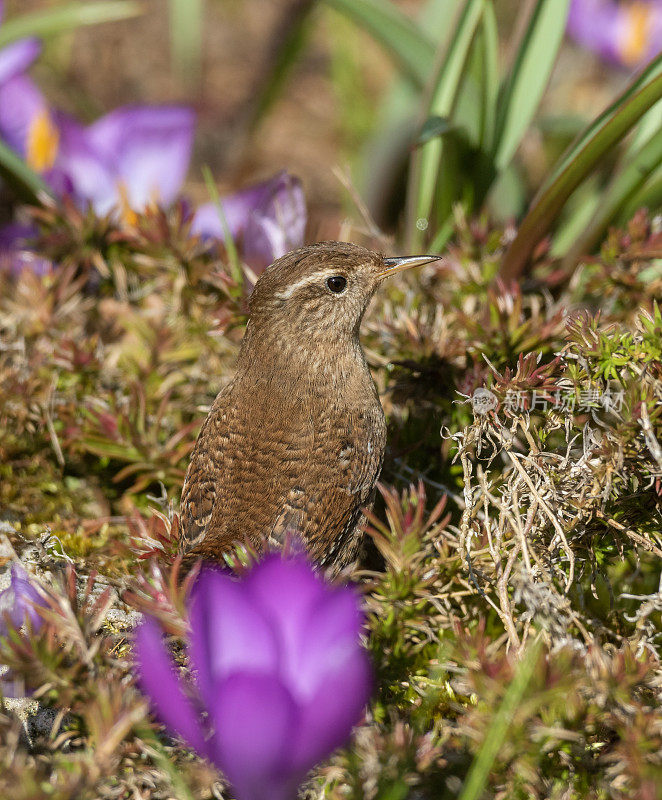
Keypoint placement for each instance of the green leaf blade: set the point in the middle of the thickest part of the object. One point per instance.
(579, 161)
(186, 21)
(27, 184)
(399, 34)
(496, 733)
(524, 87)
(66, 18)
(427, 161)
(624, 186)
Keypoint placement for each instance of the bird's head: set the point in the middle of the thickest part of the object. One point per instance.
(321, 291)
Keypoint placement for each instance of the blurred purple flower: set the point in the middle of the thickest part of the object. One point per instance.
(16, 253)
(23, 111)
(26, 123)
(129, 158)
(279, 670)
(18, 601)
(627, 33)
(268, 219)
(126, 160)
(16, 57)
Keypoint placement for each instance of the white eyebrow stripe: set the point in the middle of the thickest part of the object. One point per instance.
(287, 293)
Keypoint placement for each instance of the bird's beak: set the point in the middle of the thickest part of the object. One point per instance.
(393, 265)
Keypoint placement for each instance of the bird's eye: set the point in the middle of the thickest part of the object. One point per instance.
(337, 283)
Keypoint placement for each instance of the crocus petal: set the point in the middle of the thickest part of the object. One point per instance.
(16, 57)
(624, 33)
(207, 220)
(17, 251)
(21, 103)
(582, 26)
(327, 718)
(286, 590)
(255, 721)
(321, 657)
(19, 600)
(82, 168)
(16, 235)
(271, 724)
(277, 225)
(270, 218)
(150, 150)
(331, 631)
(159, 681)
(229, 633)
(237, 209)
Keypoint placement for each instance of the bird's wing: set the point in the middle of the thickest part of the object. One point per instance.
(203, 475)
(367, 452)
(291, 517)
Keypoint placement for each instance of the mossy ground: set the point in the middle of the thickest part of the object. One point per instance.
(519, 617)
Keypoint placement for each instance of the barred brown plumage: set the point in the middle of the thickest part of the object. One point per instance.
(296, 440)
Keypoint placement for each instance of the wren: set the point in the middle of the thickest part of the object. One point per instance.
(295, 442)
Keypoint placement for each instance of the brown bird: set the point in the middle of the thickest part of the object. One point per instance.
(295, 441)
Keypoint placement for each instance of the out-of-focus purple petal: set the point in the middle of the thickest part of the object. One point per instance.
(277, 225)
(624, 33)
(17, 234)
(237, 639)
(207, 221)
(270, 218)
(237, 209)
(82, 168)
(327, 717)
(21, 102)
(159, 680)
(280, 669)
(321, 660)
(21, 260)
(16, 253)
(299, 591)
(582, 26)
(332, 629)
(18, 601)
(148, 150)
(16, 57)
(255, 720)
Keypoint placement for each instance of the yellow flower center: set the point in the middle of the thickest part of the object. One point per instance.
(639, 18)
(42, 143)
(127, 214)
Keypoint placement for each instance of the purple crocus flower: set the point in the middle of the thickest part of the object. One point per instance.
(124, 161)
(627, 33)
(16, 253)
(269, 219)
(23, 111)
(18, 601)
(16, 57)
(279, 670)
(129, 158)
(26, 123)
